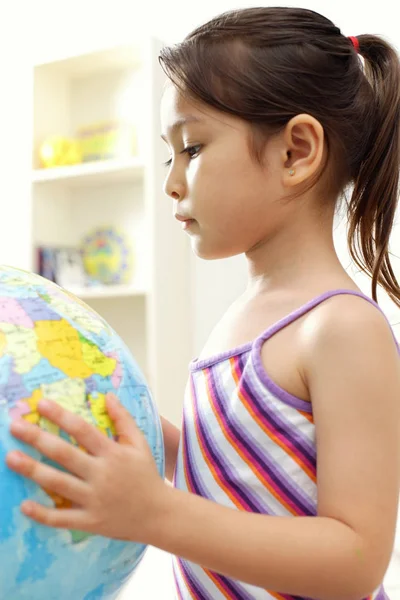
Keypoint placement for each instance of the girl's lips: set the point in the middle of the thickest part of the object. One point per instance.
(185, 221)
(182, 217)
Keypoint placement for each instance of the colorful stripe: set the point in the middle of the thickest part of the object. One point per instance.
(195, 589)
(286, 431)
(267, 420)
(268, 474)
(307, 415)
(179, 592)
(192, 483)
(224, 477)
(227, 587)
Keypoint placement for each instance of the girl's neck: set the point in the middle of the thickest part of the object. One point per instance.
(296, 257)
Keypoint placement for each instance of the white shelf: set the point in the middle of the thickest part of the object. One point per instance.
(96, 173)
(106, 291)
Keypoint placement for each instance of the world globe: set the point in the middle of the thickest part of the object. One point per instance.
(54, 346)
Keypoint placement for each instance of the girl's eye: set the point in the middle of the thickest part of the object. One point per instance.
(192, 151)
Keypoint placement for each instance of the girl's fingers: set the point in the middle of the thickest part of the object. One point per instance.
(65, 454)
(84, 433)
(127, 430)
(68, 518)
(49, 478)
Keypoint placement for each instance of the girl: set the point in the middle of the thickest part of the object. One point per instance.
(287, 475)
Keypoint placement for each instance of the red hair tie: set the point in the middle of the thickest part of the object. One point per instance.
(355, 42)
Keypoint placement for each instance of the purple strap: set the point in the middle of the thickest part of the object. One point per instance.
(315, 302)
(257, 343)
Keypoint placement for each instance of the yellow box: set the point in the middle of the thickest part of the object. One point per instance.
(105, 140)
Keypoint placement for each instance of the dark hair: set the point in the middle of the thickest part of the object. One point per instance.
(266, 65)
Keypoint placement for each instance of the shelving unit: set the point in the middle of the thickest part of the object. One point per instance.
(123, 83)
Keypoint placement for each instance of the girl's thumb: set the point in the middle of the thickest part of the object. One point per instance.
(127, 430)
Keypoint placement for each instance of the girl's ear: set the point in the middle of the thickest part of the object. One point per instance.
(304, 149)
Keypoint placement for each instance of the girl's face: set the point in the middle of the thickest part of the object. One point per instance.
(229, 203)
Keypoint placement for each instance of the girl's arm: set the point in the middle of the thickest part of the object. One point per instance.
(171, 436)
(351, 366)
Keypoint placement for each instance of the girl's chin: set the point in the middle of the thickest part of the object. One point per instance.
(207, 251)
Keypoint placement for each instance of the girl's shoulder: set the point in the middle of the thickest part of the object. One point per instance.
(333, 332)
(347, 328)
(349, 316)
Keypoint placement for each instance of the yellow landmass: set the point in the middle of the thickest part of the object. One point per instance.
(22, 346)
(32, 402)
(97, 361)
(3, 343)
(99, 411)
(59, 342)
(34, 417)
(59, 501)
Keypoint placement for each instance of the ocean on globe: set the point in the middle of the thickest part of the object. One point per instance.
(54, 346)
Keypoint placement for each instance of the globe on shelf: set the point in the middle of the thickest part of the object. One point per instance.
(107, 256)
(52, 345)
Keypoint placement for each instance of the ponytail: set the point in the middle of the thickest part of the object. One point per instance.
(372, 207)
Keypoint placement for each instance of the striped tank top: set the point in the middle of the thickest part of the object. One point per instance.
(247, 444)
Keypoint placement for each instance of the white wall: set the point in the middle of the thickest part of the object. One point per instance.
(15, 159)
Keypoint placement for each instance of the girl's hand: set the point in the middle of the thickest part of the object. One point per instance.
(115, 488)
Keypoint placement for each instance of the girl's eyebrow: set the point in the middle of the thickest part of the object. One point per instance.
(179, 123)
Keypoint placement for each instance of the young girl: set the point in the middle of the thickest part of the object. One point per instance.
(287, 475)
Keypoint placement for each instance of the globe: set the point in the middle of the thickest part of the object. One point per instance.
(54, 346)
